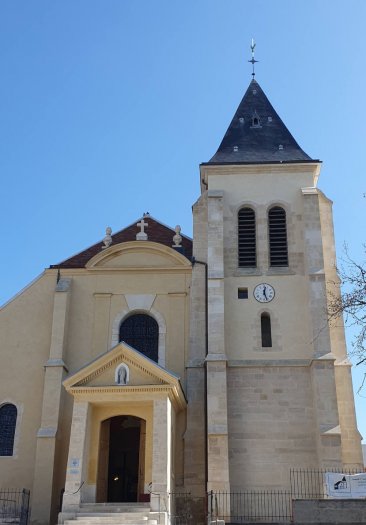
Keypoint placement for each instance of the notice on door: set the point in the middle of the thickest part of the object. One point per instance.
(345, 485)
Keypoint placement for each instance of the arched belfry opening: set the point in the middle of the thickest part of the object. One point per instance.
(121, 459)
(141, 331)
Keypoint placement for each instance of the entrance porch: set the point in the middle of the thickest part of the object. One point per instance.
(122, 435)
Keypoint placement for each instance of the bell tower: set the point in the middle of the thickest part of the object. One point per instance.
(274, 375)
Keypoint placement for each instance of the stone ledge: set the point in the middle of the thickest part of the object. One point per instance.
(250, 363)
(329, 511)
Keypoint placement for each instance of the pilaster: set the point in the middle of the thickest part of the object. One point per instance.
(102, 306)
(76, 463)
(55, 370)
(195, 435)
(217, 421)
(322, 368)
(351, 438)
(162, 454)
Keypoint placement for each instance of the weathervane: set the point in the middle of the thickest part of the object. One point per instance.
(253, 61)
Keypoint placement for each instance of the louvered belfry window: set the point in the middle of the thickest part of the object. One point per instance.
(8, 419)
(278, 254)
(247, 252)
(141, 332)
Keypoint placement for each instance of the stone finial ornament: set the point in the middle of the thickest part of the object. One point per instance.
(107, 241)
(142, 235)
(177, 239)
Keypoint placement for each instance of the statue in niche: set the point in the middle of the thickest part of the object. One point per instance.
(122, 375)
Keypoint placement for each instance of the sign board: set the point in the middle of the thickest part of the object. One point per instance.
(340, 485)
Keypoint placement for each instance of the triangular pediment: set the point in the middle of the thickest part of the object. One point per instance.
(124, 370)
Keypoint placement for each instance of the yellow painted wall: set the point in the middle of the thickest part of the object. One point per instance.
(97, 298)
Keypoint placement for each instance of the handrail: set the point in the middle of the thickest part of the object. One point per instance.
(72, 493)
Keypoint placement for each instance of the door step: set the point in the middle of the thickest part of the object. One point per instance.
(113, 514)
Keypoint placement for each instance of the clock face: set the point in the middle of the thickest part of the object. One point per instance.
(264, 293)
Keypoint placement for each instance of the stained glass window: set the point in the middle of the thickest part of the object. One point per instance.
(8, 419)
(142, 333)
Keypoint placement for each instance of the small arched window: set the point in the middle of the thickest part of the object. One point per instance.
(8, 420)
(141, 332)
(256, 121)
(266, 332)
(247, 251)
(278, 254)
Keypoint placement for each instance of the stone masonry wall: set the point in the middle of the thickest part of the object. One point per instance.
(271, 425)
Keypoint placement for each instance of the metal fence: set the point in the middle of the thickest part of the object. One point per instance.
(250, 506)
(14, 506)
(310, 483)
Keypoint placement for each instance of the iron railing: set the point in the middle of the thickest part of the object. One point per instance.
(14, 506)
(310, 483)
(250, 506)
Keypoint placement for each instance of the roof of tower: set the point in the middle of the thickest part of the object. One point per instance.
(257, 134)
(157, 232)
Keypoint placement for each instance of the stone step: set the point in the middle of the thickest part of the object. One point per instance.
(113, 507)
(115, 519)
(123, 521)
(113, 516)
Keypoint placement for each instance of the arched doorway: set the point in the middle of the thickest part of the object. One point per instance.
(121, 462)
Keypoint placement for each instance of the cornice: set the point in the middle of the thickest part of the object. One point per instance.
(250, 363)
(136, 247)
(119, 393)
(290, 167)
(126, 269)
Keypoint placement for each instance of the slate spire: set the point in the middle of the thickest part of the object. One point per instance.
(257, 134)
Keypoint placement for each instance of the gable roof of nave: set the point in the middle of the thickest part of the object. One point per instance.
(156, 231)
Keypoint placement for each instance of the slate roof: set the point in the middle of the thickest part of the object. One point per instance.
(156, 231)
(250, 141)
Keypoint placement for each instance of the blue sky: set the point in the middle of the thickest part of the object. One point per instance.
(107, 109)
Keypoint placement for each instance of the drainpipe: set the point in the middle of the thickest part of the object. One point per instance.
(195, 261)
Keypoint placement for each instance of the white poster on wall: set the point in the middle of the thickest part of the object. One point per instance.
(345, 485)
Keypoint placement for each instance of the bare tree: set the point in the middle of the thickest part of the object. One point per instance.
(351, 303)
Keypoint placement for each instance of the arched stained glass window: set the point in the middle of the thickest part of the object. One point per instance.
(141, 332)
(278, 255)
(266, 331)
(8, 419)
(247, 252)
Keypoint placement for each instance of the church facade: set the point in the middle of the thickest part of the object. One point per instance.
(152, 363)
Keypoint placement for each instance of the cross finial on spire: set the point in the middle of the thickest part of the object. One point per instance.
(253, 61)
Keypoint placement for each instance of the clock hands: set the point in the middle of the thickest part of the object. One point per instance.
(265, 292)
